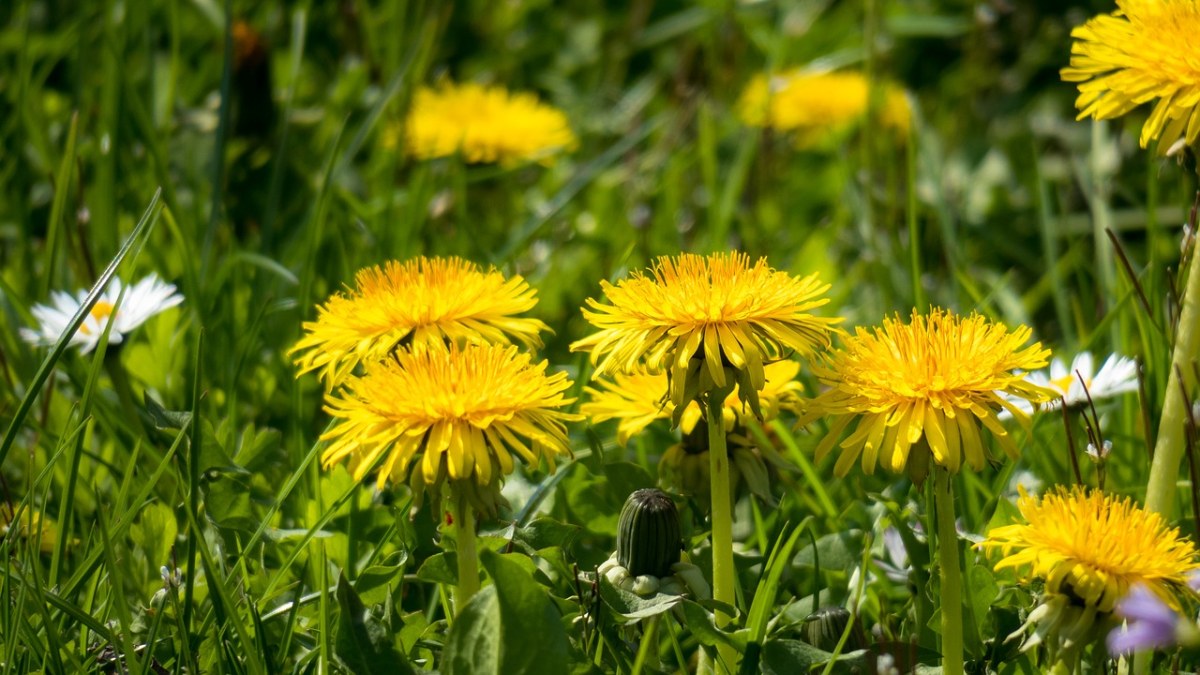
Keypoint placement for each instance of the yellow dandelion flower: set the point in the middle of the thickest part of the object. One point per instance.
(424, 300)
(1143, 51)
(936, 378)
(639, 399)
(708, 322)
(1094, 547)
(485, 124)
(815, 105)
(460, 413)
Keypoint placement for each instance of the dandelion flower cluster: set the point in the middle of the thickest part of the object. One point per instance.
(1142, 52)
(816, 105)
(421, 301)
(1093, 547)
(143, 300)
(708, 322)
(936, 378)
(484, 124)
(450, 413)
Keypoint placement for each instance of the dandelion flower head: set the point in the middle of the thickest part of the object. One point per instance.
(143, 300)
(485, 124)
(424, 300)
(708, 322)
(1093, 547)
(935, 378)
(1144, 51)
(814, 105)
(449, 413)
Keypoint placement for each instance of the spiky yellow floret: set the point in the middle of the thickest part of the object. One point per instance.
(708, 322)
(935, 378)
(1093, 547)
(637, 400)
(424, 300)
(461, 413)
(1146, 50)
(485, 124)
(815, 105)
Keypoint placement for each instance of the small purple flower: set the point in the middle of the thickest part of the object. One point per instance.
(1150, 623)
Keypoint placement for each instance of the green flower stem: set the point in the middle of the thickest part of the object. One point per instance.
(468, 557)
(1161, 493)
(947, 540)
(648, 651)
(722, 519)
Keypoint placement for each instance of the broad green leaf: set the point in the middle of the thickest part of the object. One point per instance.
(786, 657)
(364, 641)
(837, 552)
(633, 606)
(440, 568)
(546, 532)
(155, 532)
(510, 626)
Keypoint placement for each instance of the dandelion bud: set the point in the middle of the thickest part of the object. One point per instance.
(648, 535)
(823, 629)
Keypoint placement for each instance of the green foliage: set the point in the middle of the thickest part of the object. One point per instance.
(177, 516)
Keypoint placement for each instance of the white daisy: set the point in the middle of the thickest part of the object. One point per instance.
(1118, 375)
(142, 300)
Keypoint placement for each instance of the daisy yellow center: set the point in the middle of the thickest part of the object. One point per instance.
(1093, 546)
(100, 311)
(1064, 383)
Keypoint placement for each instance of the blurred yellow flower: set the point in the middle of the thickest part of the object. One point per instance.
(459, 413)
(1093, 547)
(709, 322)
(639, 399)
(32, 526)
(816, 105)
(1145, 50)
(484, 124)
(424, 300)
(935, 378)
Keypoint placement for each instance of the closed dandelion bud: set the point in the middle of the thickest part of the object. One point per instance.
(648, 535)
(823, 629)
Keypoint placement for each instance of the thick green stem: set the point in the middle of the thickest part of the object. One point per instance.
(947, 540)
(468, 558)
(722, 520)
(1161, 493)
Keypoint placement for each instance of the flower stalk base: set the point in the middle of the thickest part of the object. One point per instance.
(468, 557)
(722, 521)
(951, 582)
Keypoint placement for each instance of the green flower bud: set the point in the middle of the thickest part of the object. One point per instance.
(824, 627)
(648, 536)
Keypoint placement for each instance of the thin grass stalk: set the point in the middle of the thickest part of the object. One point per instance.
(468, 557)
(947, 544)
(722, 520)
